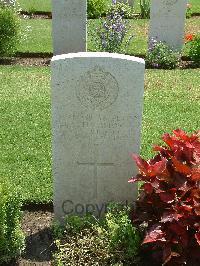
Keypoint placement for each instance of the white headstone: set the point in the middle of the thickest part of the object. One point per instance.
(167, 22)
(97, 101)
(69, 19)
(130, 2)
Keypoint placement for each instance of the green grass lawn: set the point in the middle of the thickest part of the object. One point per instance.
(172, 100)
(38, 34)
(35, 5)
(45, 5)
(25, 130)
(195, 6)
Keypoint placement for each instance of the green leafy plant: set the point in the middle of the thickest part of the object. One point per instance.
(145, 8)
(9, 30)
(160, 55)
(11, 235)
(124, 9)
(169, 202)
(194, 50)
(189, 11)
(88, 241)
(96, 8)
(112, 32)
(123, 237)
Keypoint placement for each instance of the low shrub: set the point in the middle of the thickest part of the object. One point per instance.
(168, 207)
(88, 241)
(145, 8)
(96, 8)
(112, 33)
(189, 11)
(123, 237)
(124, 9)
(11, 235)
(194, 49)
(160, 55)
(9, 30)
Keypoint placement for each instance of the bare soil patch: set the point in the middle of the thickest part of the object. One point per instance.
(36, 15)
(39, 241)
(25, 60)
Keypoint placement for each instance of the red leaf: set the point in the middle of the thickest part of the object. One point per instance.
(154, 234)
(158, 168)
(180, 134)
(196, 193)
(169, 140)
(180, 167)
(167, 197)
(195, 174)
(197, 236)
(159, 148)
(163, 151)
(197, 210)
(177, 228)
(186, 208)
(171, 254)
(180, 231)
(170, 217)
(141, 163)
(148, 188)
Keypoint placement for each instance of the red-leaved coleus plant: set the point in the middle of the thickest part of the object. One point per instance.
(169, 201)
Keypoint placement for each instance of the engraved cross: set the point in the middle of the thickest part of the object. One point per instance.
(95, 164)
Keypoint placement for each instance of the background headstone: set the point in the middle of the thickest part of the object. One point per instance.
(69, 20)
(130, 2)
(97, 101)
(167, 22)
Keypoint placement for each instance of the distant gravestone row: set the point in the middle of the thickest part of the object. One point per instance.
(70, 24)
(97, 101)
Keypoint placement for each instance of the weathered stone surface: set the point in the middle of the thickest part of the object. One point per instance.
(69, 26)
(167, 22)
(97, 101)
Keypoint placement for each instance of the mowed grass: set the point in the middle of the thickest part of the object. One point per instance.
(45, 5)
(172, 100)
(25, 130)
(35, 5)
(195, 6)
(38, 36)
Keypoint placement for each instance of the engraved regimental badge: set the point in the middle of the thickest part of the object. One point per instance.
(97, 89)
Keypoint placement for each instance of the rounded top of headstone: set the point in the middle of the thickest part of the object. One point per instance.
(98, 55)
